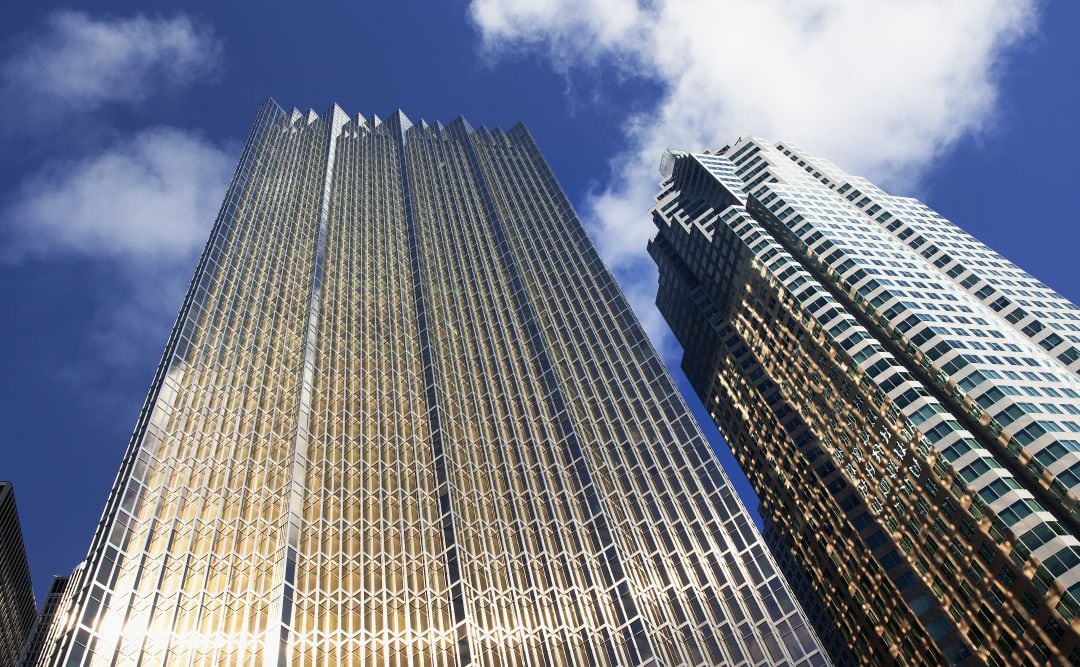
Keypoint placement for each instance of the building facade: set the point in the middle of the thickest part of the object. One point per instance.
(17, 607)
(406, 417)
(904, 400)
(816, 613)
(39, 637)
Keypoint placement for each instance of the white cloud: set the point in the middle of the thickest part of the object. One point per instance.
(80, 63)
(137, 210)
(879, 87)
(148, 199)
(142, 207)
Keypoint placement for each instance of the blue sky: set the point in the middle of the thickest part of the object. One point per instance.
(121, 129)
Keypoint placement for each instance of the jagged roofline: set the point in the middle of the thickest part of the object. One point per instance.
(397, 116)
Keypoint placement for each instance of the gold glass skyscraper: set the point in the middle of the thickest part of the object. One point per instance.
(406, 417)
(905, 401)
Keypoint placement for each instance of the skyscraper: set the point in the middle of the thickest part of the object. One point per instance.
(904, 400)
(17, 606)
(39, 637)
(405, 417)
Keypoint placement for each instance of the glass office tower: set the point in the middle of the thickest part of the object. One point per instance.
(17, 607)
(904, 400)
(39, 637)
(406, 417)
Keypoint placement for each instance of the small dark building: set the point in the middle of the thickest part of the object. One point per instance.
(17, 606)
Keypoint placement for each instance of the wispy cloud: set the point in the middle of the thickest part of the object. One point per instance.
(148, 199)
(139, 205)
(881, 88)
(79, 62)
(143, 207)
